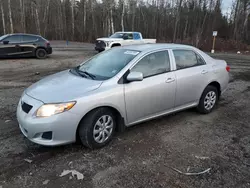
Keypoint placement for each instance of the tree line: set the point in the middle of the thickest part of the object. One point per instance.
(183, 21)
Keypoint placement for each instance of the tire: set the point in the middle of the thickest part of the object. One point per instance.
(208, 100)
(41, 53)
(92, 122)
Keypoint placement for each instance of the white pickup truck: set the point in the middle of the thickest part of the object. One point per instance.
(121, 39)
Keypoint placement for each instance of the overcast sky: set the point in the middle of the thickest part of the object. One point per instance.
(226, 6)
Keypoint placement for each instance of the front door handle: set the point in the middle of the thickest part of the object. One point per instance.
(17, 45)
(169, 80)
(204, 72)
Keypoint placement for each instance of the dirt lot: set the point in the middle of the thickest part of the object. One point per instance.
(145, 154)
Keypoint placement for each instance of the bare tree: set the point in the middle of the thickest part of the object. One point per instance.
(73, 18)
(191, 21)
(177, 20)
(3, 17)
(22, 10)
(122, 17)
(45, 18)
(84, 15)
(10, 16)
(37, 22)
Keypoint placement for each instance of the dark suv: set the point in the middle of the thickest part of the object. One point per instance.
(24, 45)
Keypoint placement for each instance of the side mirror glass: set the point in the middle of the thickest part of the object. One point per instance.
(135, 76)
(5, 42)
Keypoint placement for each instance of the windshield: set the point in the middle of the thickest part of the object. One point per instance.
(107, 64)
(2, 37)
(117, 35)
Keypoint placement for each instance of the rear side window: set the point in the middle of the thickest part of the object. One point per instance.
(137, 36)
(153, 64)
(13, 39)
(27, 38)
(187, 58)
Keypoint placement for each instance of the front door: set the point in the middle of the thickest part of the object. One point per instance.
(12, 45)
(155, 94)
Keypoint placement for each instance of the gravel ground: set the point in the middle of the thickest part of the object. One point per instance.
(144, 155)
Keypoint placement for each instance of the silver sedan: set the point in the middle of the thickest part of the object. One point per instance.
(119, 88)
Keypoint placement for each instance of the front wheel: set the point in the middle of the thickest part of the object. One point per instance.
(208, 100)
(97, 128)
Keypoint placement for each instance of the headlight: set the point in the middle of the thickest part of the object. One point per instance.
(52, 109)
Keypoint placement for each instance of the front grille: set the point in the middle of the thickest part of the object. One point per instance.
(100, 44)
(26, 107)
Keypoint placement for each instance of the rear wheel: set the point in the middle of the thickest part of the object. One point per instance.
(97, 128)
(208, 100)
(41, 53)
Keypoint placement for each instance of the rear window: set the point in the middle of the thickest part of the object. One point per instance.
(27, 38)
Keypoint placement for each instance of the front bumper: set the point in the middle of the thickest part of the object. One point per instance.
(62, 126)
(100, 49)
(49, 50)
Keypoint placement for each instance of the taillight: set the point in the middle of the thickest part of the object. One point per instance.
(227, 68)
(47, 43)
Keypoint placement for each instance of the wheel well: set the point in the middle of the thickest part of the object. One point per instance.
(217, 85)
(40, 48)
(119, 120)
(116, 44)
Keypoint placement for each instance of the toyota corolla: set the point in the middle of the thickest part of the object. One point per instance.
(119, 88)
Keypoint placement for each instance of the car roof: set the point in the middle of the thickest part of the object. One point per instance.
(127, 32)
(24, 34)
(158, 46)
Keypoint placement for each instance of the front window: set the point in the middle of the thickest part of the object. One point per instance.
(153, 64)
(2, 37)
(107, 64)
(13, 39)
(117, 35)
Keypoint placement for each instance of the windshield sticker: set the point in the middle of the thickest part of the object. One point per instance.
(131, 52)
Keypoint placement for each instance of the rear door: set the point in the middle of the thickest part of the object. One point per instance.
(11, 45)
(28, 44)
(192, 74)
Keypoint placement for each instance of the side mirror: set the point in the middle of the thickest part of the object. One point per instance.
(5, 42)
(135, 76)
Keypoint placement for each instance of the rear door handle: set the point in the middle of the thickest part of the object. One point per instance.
(17, 45)
(204, 72)
(169, 80)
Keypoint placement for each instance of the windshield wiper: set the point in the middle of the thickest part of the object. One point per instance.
(87, 73)
(75, 70)
(84, 73)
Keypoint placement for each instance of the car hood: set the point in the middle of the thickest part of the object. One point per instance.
(61, 87)
(109, 39)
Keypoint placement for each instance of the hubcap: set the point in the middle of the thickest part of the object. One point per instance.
(103, 128)
(41, 54)
(210, 100)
